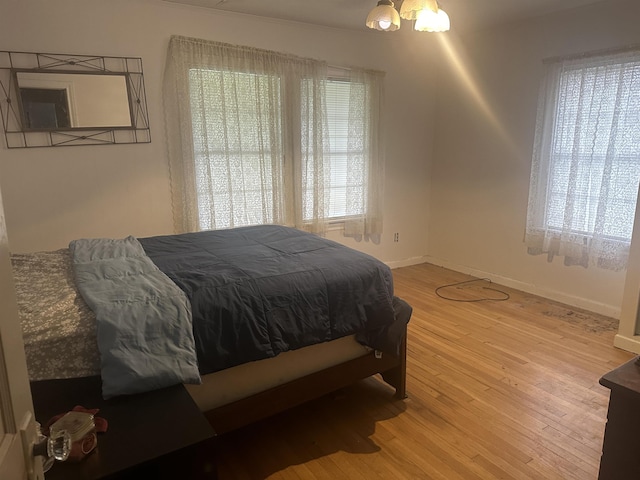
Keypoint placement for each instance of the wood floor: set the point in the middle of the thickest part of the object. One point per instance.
(497, 389)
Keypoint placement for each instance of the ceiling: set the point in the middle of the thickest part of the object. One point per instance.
(465, 14)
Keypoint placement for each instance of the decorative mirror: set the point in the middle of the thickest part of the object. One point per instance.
(55, 100)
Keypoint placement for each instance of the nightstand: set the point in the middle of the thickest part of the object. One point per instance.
(621, 447)
(160, 434)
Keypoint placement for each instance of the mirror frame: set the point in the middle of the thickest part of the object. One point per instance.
(10, 106)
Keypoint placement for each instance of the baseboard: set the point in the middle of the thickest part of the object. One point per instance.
(578, 302)
(407, 262)
(630, 344)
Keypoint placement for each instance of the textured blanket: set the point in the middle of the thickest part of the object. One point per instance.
(144, 327)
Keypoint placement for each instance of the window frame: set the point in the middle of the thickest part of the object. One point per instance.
(582, 131)
(337, 75)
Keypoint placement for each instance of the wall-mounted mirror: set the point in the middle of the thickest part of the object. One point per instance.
(54, 100)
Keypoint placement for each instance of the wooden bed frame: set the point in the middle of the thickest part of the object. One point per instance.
(278, 399)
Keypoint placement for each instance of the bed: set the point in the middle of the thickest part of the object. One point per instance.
(280, 360)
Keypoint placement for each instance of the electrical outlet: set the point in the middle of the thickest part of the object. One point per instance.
(396, 237)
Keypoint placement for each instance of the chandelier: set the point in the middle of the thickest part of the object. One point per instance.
(426, 13)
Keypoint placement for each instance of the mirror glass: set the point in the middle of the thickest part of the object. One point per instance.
(73, 100)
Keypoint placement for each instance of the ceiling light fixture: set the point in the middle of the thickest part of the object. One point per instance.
(384, 17)
(410, 8)
(430, 21)
(426, 13)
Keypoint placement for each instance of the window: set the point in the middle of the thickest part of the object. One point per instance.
(345, 191)
(236, 159)
(264, 137)
(586, 164)
(235, 154)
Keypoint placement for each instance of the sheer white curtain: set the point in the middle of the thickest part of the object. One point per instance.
(245, 135)
(365, 156)
(586, 161)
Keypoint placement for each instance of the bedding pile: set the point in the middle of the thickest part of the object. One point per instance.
(168, 309)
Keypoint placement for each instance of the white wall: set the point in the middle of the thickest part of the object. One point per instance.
(484, 137)
(457, 198)
(53, 195)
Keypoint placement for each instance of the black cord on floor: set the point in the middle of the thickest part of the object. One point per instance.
(460, 284)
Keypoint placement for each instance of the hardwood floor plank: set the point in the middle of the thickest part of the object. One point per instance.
(496, 390)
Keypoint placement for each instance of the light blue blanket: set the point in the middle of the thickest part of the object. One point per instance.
(144, 328)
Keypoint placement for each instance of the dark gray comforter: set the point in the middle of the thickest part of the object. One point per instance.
(258, 291)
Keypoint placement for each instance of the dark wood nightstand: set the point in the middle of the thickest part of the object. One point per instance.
(621, 447)
(160, 434)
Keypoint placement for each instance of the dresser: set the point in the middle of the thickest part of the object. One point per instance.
(621, 447)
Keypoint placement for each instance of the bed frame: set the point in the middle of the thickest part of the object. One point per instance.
(248, 410)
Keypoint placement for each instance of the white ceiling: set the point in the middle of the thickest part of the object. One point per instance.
(464, 14)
